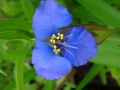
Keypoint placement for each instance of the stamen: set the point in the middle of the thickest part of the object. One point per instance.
(59, 34)
(54, 46)
(57, 51)
(55, 40)
(58, 37)
(53, 36)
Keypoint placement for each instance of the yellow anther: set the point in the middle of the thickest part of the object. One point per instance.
(54, 41)
(58, 37)
(62, 36)
(54, 50)
(56, 53)
(54, 46)
(53, 36)
(51, 40)
(58, 50)
(59, 34)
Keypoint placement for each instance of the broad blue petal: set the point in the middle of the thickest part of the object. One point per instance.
(47, 64)
(49, 17)
(81, 46)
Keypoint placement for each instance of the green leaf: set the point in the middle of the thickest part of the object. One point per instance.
(31, 87)
(19, 34)
(3, 73)
(83, 16)
(69, 86)
(28, 8)
(80, 14)
(103, 76)
(11, 8)
(30, 75)
(21, 53)
(109, 53)
(15, 24)
(115, 72)
(10, 86)
(3, 52)
(103, 11)
(113, 1)
(13, 47)
(49, 85)
(90, 75)
(15, 29)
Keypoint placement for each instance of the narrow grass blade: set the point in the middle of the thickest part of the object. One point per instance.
(108, 53)
(3, 73)
(21, 50)
(14, 24)
(90, 75)
(49, 85)
(100, 9)
(28, 8)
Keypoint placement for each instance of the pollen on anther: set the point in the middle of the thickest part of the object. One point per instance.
(53, 36)
(54, 46)
(54, 41)
(57, 51)
(62, 36)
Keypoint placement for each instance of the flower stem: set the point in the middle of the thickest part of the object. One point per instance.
(20, 57)
(19, 74)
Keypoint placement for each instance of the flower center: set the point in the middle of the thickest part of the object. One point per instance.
(55, 42)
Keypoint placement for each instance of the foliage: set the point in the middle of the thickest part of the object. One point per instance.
(101, 17)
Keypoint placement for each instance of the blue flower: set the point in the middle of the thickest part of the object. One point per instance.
(72, 47)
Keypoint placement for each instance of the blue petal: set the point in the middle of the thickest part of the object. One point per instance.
(49, 17)
(47, 64)
(81, 46)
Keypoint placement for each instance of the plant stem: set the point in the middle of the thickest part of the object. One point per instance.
(21, 52)
(19, 74)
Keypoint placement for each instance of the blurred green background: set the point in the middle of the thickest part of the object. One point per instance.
(17, 41)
